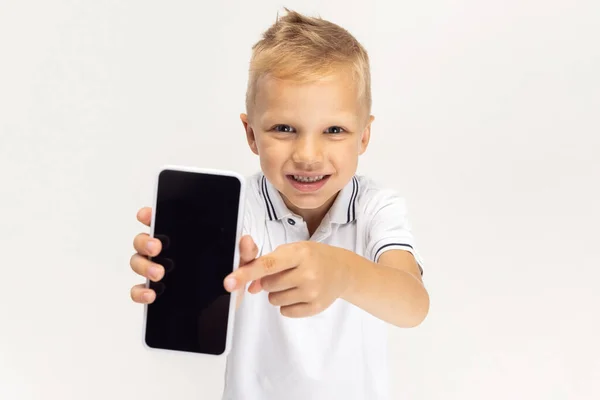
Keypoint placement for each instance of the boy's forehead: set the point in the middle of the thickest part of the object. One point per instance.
(336, 93)
(272, 87)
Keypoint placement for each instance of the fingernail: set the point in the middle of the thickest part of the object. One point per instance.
(230, 283)
(147, 297)
(154, 272)
(150, 246)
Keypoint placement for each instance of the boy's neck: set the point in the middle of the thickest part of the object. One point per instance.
(312, 217)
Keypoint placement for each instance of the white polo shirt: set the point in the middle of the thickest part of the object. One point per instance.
(340, 353)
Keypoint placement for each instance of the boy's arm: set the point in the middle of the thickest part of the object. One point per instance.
(387, 282)
(390, 289)
(305, 278)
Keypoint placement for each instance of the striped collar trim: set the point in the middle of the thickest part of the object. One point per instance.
(269, 194)
(342, 211)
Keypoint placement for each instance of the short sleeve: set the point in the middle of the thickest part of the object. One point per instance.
(387, 226)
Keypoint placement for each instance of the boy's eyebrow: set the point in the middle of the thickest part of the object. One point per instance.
(284, 117)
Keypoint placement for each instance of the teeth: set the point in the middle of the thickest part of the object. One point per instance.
(308, 179)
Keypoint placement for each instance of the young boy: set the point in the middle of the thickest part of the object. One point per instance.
(336, 260)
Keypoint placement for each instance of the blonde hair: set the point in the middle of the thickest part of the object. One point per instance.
(306, 49)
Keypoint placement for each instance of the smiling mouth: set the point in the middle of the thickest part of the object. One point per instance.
(308, 179)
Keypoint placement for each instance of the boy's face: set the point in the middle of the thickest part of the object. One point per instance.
(309, 137)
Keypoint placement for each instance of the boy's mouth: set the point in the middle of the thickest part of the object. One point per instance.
(308, 179)
(307, 183)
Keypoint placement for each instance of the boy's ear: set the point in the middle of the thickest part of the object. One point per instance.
(366, 136)
(249, 134)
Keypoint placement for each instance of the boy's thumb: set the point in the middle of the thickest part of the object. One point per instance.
(248, 250)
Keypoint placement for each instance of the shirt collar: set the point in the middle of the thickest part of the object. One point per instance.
(342, 211)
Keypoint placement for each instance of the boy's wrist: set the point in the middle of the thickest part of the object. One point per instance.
(351, 263)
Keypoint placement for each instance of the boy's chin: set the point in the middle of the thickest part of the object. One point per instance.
(308, 201)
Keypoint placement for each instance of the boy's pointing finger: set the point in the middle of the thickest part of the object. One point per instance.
(269, 264)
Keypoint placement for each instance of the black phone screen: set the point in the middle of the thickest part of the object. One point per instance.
(196, 220)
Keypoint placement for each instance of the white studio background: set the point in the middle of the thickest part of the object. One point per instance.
(487, 120)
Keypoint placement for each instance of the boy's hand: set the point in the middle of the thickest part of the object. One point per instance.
(302, 278)
(146, 246)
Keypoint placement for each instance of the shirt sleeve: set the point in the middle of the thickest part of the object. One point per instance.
(388, 227)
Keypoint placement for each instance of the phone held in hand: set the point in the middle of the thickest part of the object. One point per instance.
(198, 217)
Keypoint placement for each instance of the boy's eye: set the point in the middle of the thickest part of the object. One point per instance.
(283, 128)
(335, 129)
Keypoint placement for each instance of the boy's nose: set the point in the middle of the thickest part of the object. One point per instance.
(307, 152)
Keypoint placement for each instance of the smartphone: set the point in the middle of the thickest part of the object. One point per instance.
(197, 215)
